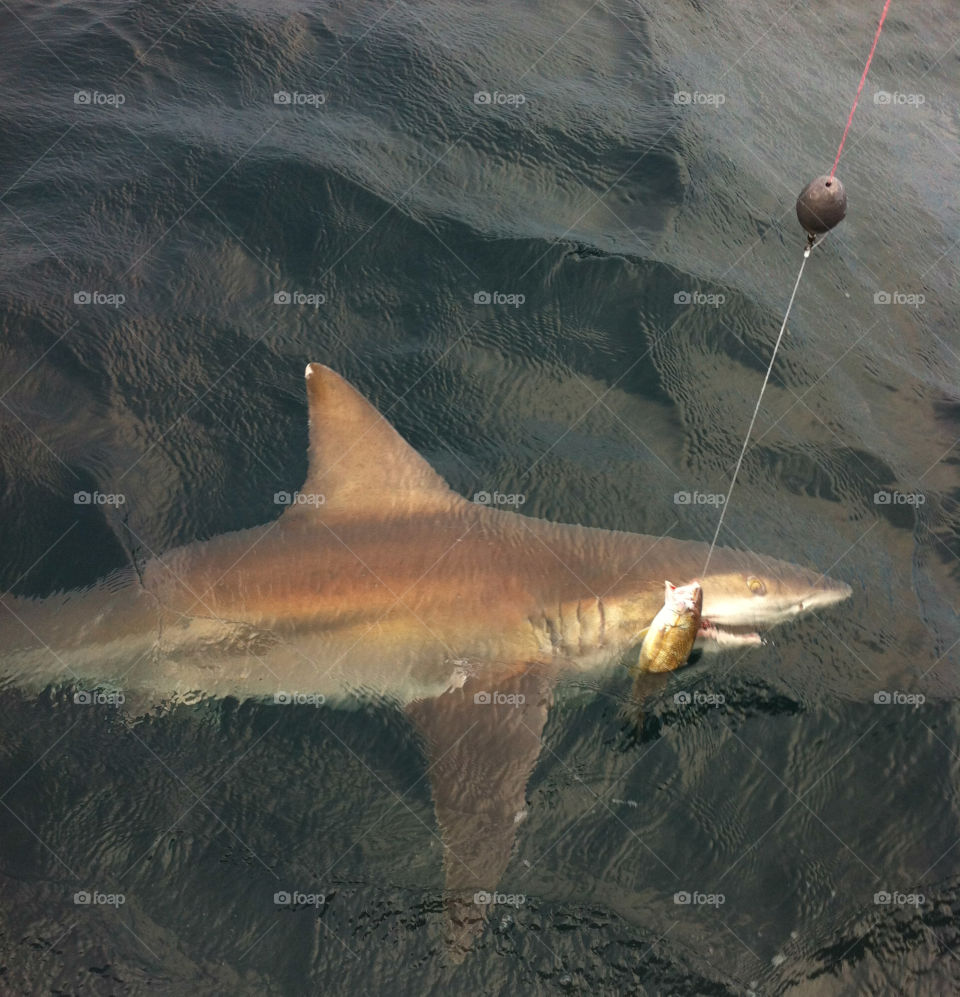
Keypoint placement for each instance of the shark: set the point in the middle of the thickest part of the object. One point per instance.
(379, 580)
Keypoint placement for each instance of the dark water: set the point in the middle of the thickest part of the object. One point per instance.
(398, 198)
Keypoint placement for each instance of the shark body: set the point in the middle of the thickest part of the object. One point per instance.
(378, 579)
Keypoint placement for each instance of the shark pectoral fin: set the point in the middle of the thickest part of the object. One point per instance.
(482, 742)
(358, 463)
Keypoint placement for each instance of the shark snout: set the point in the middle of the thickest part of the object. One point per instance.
(764, 601)
(822, 596)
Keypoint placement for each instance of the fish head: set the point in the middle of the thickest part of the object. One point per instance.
(683, 600)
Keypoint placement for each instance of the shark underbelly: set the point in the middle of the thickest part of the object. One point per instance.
(120, 636)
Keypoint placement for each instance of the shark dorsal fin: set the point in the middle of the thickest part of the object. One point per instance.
(357, 460)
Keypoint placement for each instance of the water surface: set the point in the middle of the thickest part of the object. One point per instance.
(598, 198)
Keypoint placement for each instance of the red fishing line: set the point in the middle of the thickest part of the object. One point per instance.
(863, 79)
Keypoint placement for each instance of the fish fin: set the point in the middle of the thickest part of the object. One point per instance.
(358, 462)
(648, 684)
(645, 686)
(634, 667)
(480, 756)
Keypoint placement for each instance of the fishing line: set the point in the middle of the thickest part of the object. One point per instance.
(756, 409)
(863, 79)
(820, 206)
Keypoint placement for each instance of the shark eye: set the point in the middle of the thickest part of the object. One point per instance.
(756, 586)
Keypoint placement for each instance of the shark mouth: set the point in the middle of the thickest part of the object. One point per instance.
(716, 636)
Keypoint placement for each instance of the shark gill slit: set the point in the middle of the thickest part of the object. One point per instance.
(580, 630)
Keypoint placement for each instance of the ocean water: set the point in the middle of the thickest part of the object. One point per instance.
(638, 249)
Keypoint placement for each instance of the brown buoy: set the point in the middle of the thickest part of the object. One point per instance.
(821, 205)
